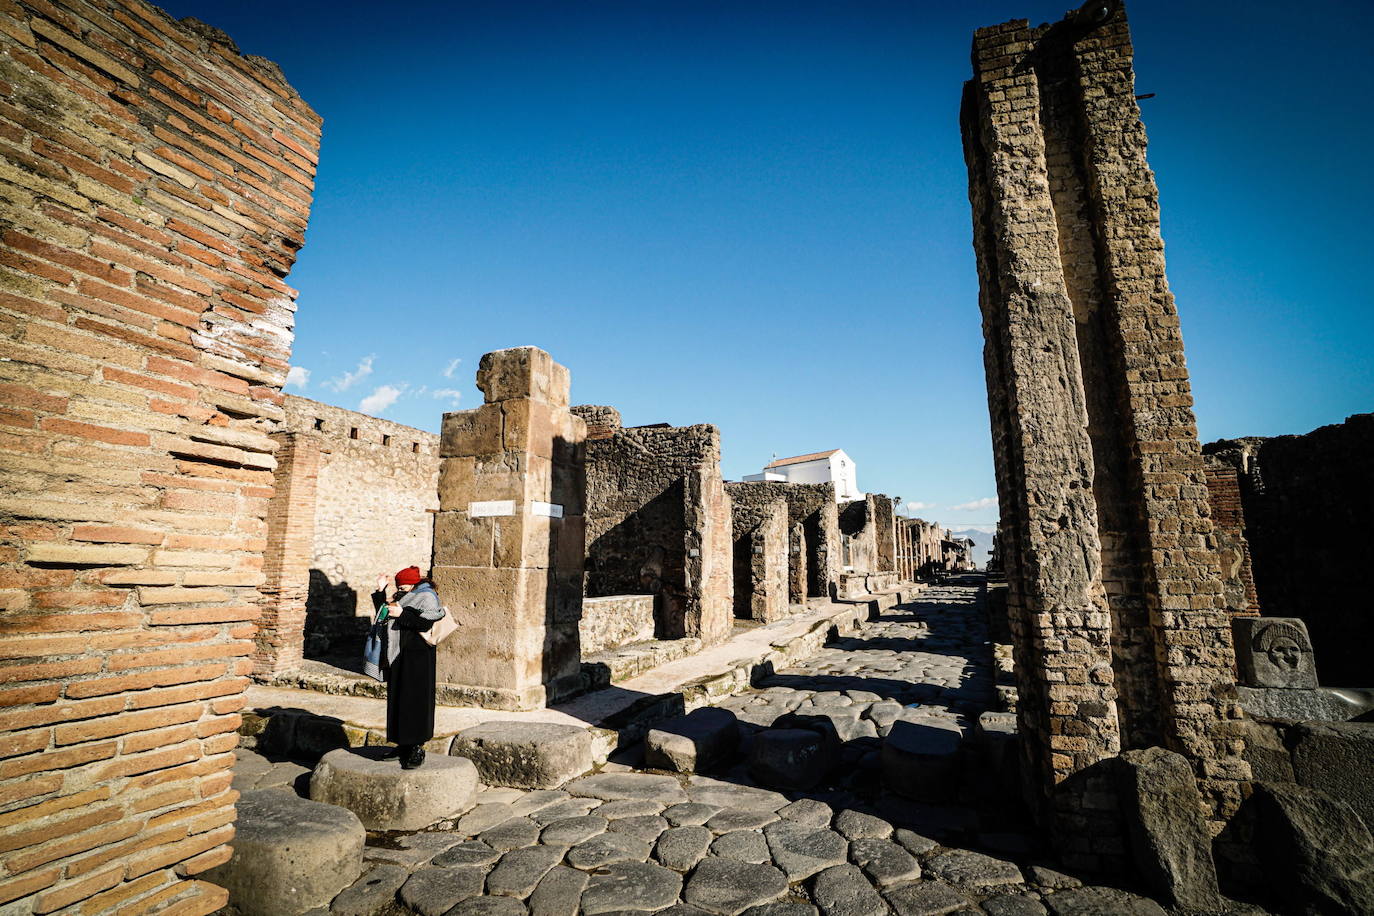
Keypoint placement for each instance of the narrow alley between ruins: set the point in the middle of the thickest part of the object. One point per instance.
(905, 814)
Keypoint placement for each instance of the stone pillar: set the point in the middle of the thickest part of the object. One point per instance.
(280, 640)
(508, 538)
(1114, 590)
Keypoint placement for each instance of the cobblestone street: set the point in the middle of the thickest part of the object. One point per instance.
(632, 840)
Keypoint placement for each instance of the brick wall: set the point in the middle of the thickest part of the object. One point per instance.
(154, 189)
(602, 421)
(1228, 530)
(1121, 637)
(355, 497)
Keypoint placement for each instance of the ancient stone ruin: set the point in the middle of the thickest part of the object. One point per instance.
(1157, 691)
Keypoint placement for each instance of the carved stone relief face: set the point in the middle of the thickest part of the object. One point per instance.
(1274, 652)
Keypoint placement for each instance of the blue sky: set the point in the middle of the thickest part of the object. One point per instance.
(755, 214)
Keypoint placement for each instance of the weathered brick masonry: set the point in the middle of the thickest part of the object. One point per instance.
(1228, 532)
(1121, 636)
(356, 497)
(813, 533)
(1308, 502)
(154, 190)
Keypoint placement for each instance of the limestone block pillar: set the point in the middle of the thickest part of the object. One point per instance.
(509, 536)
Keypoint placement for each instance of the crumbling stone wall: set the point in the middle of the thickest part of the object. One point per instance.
(658, 522)
(1228, 532)
(869, 532)
(602, 421)
(1307, 510)
(760, 551)
(154, 190)
(884, 532)
(920, 548)
(813, 533)
(364, 505)
(1121, 636)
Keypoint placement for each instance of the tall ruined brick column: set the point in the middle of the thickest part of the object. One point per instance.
(155, 185)
(1121, 640)
(286, 561)
(508, 539)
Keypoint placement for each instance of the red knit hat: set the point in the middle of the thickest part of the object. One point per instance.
(408, 576)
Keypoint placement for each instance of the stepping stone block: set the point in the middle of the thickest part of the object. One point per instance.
(291, 855)
(791, 758)
(525, 755)
(921, 759)
(698, 742)
(386, 797)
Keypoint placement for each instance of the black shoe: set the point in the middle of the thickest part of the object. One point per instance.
(413, 759)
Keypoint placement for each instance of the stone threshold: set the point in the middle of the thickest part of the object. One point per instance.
(282, 719)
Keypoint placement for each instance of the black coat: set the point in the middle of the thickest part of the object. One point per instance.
(410, 679)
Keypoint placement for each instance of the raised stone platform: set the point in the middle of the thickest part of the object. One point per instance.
(699, 742)
(306, 724)
(291, 855)
(386, 797)
(615, 620)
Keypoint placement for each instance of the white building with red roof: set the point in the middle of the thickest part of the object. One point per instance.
(833, 466)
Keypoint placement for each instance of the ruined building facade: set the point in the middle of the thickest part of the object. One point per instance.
(154, 190)
(355, 498)
(1121, 634)
(1305, 503)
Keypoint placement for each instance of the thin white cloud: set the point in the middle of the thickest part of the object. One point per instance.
(918, 506)
(298, 376)
(451, 368)
(977, 505)
(381, 399)
(349, 379)
(451, 394)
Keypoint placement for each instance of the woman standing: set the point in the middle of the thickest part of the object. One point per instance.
(409, 665)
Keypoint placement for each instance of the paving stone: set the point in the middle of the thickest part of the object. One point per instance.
(921, 758)
(680, 848)
(699, 742)
(628, 807)
(808, 811)
(483, 817)
(511, 834)
(731, 795)
(690, 814)
(387, 797)
(527, 755)
(742, 845)
(857, 824)
(409, 859)
(376, 887)
(607, 849)
(646, 827)
(1049, 878)
(430, 841)
(434, 890)
(972, 869)
(664, 790)
(520, 870)
(561, 810)
(573, 830)
(1013, 905)
(842, 890)
(782, 908)
(682, 909)
(290, 854)
(726, 887)
(472, 852)
(489, 906)
(490, 795)
(1101, 901)
(537, 800)
(926, 898)
(884, 861)
(729, 821)
(632, 886)
(559, 892)
(801, 851)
